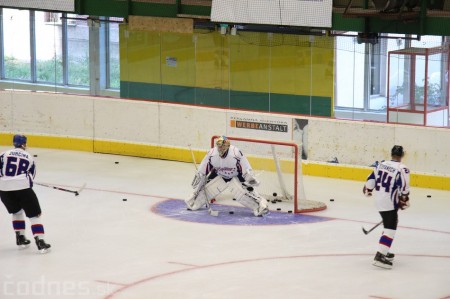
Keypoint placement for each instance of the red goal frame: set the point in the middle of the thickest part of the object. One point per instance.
(297, 210)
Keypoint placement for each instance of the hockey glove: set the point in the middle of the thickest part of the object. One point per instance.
(367, 192)
(403, 202)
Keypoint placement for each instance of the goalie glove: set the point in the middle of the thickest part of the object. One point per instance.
(403, 202)
(250, 178)
(367, 192)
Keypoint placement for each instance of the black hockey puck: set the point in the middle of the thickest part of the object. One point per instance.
(116, 162)
(428, 196)
(274, 194)
(35, 156)
(124, 199)
(231, 212)
(278, 209)
(331, 199)
(273, 201)
(234, 198)
(289, 211)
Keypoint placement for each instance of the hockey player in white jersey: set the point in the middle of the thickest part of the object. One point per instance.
(390, 182)
(225, 167)
(17, 171)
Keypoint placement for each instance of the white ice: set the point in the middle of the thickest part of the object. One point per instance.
(105, 247)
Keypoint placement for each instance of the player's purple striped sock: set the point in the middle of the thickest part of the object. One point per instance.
(36, 227)
(18, 222)
(18, 225)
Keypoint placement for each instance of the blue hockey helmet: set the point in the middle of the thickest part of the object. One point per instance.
(397, 151)
(19, 140)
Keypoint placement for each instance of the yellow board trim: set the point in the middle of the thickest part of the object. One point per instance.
(338, 171)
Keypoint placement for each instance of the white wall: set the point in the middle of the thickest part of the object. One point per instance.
(171, 125)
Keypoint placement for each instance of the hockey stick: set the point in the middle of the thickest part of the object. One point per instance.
(77, 192)
(208, 206)
(368, 231)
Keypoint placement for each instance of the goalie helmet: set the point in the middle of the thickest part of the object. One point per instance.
(19, 140)
(397, 151)
(223, 144)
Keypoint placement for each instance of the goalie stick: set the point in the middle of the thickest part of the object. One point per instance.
(368, 231)
(208, 206)
(76, 193)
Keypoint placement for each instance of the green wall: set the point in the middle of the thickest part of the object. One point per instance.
(252, 71)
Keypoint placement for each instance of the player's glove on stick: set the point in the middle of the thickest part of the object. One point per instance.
(367, 192)
(403, 202)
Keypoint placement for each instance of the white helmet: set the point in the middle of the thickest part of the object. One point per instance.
(223, 144)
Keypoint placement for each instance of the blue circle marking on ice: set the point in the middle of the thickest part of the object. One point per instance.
(176, 209)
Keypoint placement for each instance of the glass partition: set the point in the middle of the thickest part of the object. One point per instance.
(256, 71)
(317, 75)
(16, 44)
(50, 51)
(49, 59)
(418, 88)
(77, 50)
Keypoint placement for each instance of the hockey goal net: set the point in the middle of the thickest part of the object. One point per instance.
(278, 167)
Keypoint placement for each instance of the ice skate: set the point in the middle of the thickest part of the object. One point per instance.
(21, 241)
(390, 256)
(381, 261)
(41, 245)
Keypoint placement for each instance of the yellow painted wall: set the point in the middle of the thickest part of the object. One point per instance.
(181, 47)
(140, 58)
(212, 61)
(253, 62)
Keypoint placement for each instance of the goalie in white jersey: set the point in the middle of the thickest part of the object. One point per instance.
(17, 171)
(390, 180)
(225, 167)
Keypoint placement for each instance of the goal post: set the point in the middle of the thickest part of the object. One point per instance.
(278, 166)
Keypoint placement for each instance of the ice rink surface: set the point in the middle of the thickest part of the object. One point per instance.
(104, 246)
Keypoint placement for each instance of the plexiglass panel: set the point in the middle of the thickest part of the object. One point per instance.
(78, 50)
(49, 64)
(16, 44)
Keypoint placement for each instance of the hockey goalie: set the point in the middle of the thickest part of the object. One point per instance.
(225, 168)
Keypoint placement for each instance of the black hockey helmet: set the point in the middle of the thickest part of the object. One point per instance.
(19, 140)
(397, 151)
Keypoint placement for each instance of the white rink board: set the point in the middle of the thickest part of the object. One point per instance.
(188, 125)
(352, 142)
(123, 120)
(49, 114)
(6, 107)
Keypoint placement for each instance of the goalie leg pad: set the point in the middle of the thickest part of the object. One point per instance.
(215, 187)
(248, 197)
(211, 190)
(196, 202)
